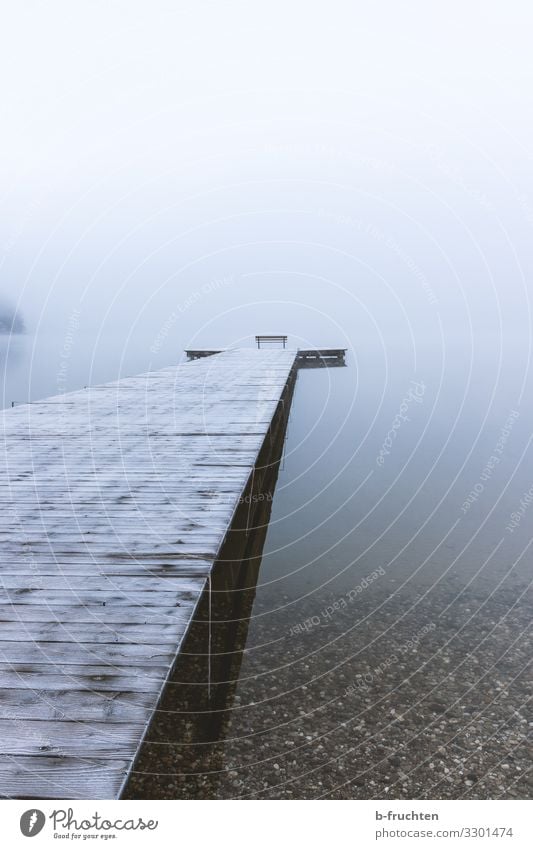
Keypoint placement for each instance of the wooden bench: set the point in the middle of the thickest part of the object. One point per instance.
(271, 339)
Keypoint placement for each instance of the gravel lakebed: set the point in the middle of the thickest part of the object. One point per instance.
(388, 696)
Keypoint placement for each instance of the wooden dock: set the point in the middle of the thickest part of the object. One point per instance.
(200, 353)
(115, 503)
(304, 356)
(324, 355)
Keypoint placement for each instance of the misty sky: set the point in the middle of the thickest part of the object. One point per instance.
(194, 173)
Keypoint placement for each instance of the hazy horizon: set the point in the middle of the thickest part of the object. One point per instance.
(363, 185)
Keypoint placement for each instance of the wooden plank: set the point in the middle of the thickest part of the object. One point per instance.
(89, 679)
(166, 635)
(116, 654)
(172, 584)
(97, 600)
(110, 613)
(61, 777)
(66, 566)
(60, 738)
(76, 705)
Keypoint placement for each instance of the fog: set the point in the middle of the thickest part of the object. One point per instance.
(190, 174)
(196, 173)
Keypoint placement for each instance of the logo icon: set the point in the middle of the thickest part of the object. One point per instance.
(32, 822)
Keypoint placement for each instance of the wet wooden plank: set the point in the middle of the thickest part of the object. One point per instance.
(61, 777)
(86, 679)
(86, 567)
(115, 654)
(92, 632)
(111, 613)
(76, 705)
(96, 601)
(169, 583)
(68, 738)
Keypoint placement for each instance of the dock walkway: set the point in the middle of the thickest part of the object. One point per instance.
(326, 356)
(115, 501)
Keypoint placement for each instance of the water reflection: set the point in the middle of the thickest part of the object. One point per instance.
(188, 730)
(13, 352)
(388, 648)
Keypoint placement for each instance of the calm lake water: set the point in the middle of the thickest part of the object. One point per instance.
(388, 648)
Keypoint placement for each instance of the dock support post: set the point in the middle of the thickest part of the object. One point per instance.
(250, 502)
(209, 637)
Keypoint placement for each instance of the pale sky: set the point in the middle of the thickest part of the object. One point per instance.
(323, 169)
